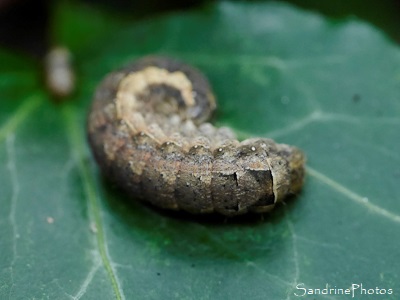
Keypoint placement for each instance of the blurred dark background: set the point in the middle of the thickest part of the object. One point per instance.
(25, 24)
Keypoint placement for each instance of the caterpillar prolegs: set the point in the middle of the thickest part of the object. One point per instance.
(147, 129)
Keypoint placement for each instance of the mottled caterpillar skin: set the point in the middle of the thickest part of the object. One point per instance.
(148, 132)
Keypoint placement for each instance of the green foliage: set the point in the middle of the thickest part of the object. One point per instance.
(330, 88)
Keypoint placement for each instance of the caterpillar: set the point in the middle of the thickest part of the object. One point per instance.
(148, 131)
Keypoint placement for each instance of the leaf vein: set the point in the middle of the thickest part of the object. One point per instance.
(77, 146)
(363, 201)
(11, 165)
(89, 278)
(20, 115)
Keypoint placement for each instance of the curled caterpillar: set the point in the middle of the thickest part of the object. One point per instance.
(147, 129)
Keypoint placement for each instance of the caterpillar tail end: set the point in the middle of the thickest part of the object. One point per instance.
(297, 161)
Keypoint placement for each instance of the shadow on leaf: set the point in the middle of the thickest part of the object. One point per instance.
(202, 236)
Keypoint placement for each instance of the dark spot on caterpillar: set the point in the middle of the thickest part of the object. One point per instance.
(236, 178)
(147, 129)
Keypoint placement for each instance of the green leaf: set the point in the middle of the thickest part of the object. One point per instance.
(331, 88)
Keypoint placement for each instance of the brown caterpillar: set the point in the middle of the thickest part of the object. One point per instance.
(148, 133)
